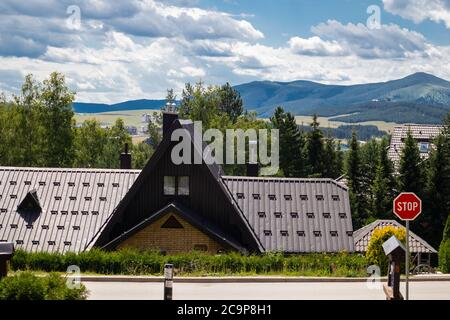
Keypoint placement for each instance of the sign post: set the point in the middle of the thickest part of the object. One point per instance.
(407, 206)
(168, 281)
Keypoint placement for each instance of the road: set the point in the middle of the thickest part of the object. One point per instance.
(430, 290)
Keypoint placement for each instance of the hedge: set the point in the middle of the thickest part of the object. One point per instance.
(133, 262)
(444, 249)
(26, 286)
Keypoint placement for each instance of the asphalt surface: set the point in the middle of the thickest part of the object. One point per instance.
(430, 290)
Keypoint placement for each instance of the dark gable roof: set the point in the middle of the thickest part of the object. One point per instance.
(191, 217)
(75, 205)
(362, 237)
(214, 169)
(289, 215)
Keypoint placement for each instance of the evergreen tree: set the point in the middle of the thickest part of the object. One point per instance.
(315, 149)
(292, 159)
(411, 171)
(332, 167)
(230, 102)
(117, 137)
(170, 96)
(355, 185)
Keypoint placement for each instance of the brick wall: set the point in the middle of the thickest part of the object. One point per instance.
(171, 240)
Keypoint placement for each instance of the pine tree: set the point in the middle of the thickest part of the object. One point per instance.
(332, 167)
(292, 160)
(411, 171)
(355, 185)
(315, 149)
(230, 102)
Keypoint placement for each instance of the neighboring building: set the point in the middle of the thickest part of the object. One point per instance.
(417, 246)
(147, 118)
(424, 135)
(172, 208)
(132, 130)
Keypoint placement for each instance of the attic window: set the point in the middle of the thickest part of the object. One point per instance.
(310, 215)
(272, 197)
(334, 233)
(30, 202)
(172, 223)
(326, 215)
(27, 183)
(240, 195)
(115, 184)
(294, 214)
(349, 233)
(256, 196)
(301, 233)
(56, 184)
(86, 184)
(303, 197)
(169, 186)
(335, 197)
(318, 233)
(100, 184)
(183, 186)
(319, 197)
(284, 233)
(342, 215)
(71, 184)
(262, 214)
(267, 232)
(277, 214)
(287, 197)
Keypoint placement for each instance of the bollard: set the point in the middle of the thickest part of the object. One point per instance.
(6, 253)
(395, 251)
(168, 281)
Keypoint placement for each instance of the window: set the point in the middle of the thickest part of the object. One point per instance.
(424, 147)
(169, 185)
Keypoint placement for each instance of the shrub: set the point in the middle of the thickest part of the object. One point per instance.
(375, 254)
(26, 286)
(444, 249)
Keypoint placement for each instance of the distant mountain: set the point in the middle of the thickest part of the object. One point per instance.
(82, 107)
(418, 97)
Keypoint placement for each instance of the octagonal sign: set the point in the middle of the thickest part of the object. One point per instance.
(407, 206)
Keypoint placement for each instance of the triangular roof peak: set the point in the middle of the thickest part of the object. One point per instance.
(30, 202)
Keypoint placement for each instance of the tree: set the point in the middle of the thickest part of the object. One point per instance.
(171, 96)
(90, 142)
(155, 130)
(383, 186)
(141, 154)
(444, 249)
(315, 149)
(56, 119)
(411, 173)
(355, 185)
(117, 137)
(292, 142)
(230, 102)
(332, 165)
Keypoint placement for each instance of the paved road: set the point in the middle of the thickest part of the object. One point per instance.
(261, 291)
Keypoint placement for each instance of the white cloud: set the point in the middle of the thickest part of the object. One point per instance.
(420, 10)
(315, 46)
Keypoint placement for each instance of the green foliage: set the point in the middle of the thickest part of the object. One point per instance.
(135, 262)
(444, 249)
(375, 254)
(314, 145)
(26, 286)
(230, 102)
(411, 172)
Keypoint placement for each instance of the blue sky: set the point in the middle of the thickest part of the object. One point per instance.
(112, 51)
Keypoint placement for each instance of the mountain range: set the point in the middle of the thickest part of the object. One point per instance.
(419, 98)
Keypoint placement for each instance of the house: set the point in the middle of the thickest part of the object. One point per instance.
(171, 208)
(423, 134)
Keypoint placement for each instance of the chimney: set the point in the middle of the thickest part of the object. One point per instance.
(170, 114)
(125, 159)
(252, 165)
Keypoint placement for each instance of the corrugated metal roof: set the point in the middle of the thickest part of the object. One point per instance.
(422, 133)
(362, 237)
(75, 205)
(295, 215)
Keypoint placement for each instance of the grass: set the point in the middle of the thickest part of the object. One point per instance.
(132, 262)
(130, 117)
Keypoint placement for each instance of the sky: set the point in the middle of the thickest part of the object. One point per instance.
(112, 51)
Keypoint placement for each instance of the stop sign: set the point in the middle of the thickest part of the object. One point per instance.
(407, 206)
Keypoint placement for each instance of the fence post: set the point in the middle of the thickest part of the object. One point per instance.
(168, 281)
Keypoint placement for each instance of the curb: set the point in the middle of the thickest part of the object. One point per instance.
(150, 279)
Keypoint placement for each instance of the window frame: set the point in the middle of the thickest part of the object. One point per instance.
(165, 190)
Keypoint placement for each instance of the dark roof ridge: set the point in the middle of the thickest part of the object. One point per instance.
(49, 169)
